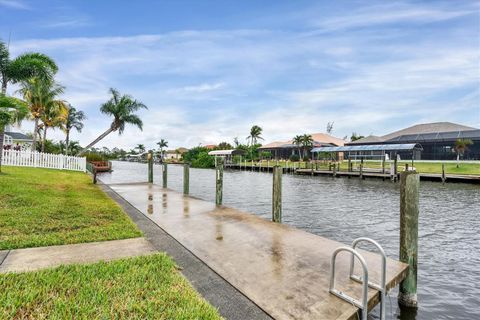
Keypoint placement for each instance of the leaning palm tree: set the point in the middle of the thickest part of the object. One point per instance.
(24, 67)
(461, 145)
(39, 94)
(75, 120)
(162, 144)
(12, 110)
(54, 116)
(255, 135)
(121, 108)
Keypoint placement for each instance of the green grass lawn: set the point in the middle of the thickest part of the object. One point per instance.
(41, 207)
(137, 288)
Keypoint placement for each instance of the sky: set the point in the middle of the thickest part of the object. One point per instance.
(209, 70)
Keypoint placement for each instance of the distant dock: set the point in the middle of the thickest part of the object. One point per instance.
(378, 174)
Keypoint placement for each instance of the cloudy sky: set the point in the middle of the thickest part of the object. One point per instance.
(209, 70)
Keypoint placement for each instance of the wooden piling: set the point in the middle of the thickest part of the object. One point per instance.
(383, 164)
(219, 184)
(361, 168)
(409, 199)
(334, 170)
(150, 166)
(443, 173)
(186, 179)
(395, 168)
(94, 175)
(277, 195)
(164, 175)
(349, 165)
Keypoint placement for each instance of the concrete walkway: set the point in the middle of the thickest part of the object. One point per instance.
(283, 270)
(19, 260)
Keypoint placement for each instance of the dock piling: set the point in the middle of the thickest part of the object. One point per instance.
(277, 195)
(150, 166)
(164, 175)
(361, 168)
(219, 184)
(186, 179)
(409, 199)
(443, 173)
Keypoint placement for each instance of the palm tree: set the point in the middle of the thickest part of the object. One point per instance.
(298, 140)
(54, 115)
(255, 134)
(307, 141)
(140, 148)
(24, 67)
(75, 120)
(461, 145)
(122, 109)
(162, 144)
(40, 95)
(12, 110)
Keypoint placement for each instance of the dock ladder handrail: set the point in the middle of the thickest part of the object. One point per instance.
(363, 305)
(380, 287)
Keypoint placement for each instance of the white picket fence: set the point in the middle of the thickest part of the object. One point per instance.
(43, 160)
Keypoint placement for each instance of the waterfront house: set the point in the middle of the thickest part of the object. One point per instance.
(284, 149)
(16, 140)
(437, 140)
(176, 154)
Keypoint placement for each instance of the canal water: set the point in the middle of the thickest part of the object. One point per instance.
(344, 209)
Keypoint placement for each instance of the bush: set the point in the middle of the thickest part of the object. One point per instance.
(203, 160)
(294, 157)
(92, 156)
(306, 158)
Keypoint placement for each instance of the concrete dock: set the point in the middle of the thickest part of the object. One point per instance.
(283, 270)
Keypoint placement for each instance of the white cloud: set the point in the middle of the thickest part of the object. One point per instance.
(15, 4)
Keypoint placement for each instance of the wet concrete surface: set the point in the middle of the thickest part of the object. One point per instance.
(30, 259)
(283, 270)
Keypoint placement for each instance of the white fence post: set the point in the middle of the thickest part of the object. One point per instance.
(43, 160)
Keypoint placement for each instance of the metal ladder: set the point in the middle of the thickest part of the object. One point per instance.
(362, 305)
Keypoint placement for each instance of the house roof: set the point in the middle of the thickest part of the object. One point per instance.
(318, 139)
(18, 136)
(369, 139)
(434, 127)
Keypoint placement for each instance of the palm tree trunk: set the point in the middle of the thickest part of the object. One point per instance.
(34, 139)
(44, 137)
(103, 135)
(67, 141)
(458, 159)
(2, 135)
(4, 86)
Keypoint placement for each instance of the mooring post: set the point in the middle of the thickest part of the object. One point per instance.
(334, 170)
(406, 166)
(395, 168)
(94, 175)
(164, 174)
(443, 173)
(277, 195)
(383, 164)
(409, 198)
(150, 166)
(219, 184)
(186, 179)
(349, 165)
(361, 168)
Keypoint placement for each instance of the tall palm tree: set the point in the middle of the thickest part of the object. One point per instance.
(461, 145)
(307, 142)
(255, 135)
(12, 110)
(54, 115)
(162, 144)
(40, 95)
(75, 120)
(24, 67)
(298, 140)
(121, 108)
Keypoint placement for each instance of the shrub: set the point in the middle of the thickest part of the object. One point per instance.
(203, 160)
(294, 157)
